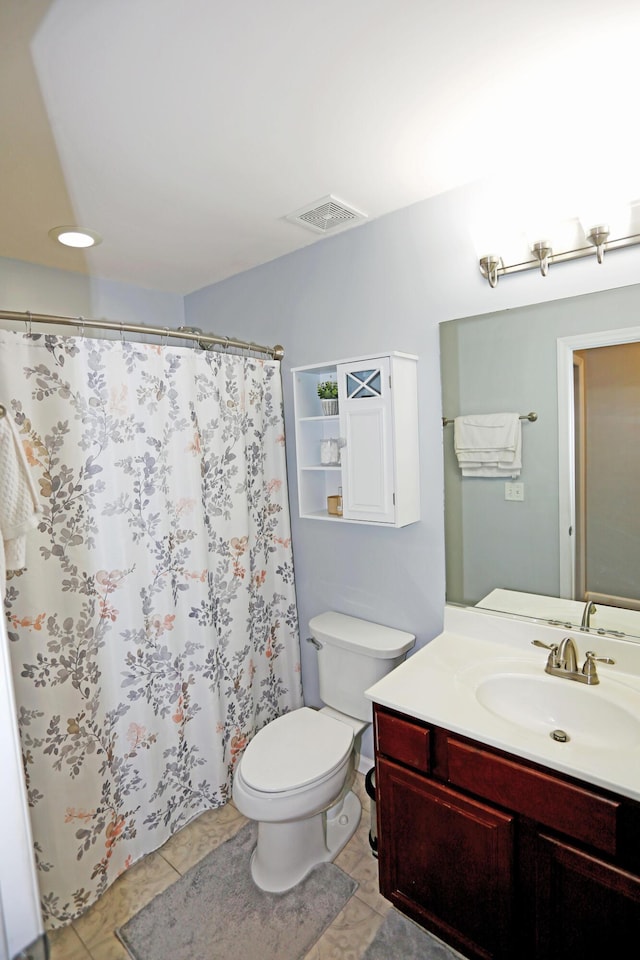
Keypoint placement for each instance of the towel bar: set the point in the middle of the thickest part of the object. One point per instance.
(532, 417)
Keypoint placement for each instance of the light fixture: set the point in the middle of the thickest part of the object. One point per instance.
(542, 250)
(77, 237)
(492, 266)
(598, 237)
(489, 266)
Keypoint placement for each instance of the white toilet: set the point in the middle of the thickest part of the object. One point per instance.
(294, 778)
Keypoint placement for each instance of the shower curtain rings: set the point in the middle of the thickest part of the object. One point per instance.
(122, 333)
(81, 325)
(165, 337)
(27, 323)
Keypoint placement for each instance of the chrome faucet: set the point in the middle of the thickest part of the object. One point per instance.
(563, 662)
(589, 609)
(568, 655)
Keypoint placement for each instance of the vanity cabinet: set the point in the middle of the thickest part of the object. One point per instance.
(497, 856)
(375, 434)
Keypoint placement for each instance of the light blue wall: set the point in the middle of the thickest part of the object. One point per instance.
(361, 292)
(27, 286)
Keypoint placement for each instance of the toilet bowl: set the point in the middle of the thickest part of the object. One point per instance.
(295, 776)
(299, 796)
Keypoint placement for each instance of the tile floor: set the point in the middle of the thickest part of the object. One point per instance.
(91, 937)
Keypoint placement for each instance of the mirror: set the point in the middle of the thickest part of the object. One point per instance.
(519, 558)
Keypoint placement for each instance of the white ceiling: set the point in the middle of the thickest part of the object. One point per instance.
(184, 131)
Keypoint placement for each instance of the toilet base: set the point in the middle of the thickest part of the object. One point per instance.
(286, 852)
(342, 822)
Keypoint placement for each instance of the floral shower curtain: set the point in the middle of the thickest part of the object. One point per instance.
(154, 629)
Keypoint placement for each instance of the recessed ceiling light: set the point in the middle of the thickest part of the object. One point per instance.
(75, 236)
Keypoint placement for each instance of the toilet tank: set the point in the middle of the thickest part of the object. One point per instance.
(354, 654)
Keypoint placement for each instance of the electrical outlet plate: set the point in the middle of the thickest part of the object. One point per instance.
(514, 491)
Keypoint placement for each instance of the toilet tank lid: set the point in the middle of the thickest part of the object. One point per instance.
(361, 636)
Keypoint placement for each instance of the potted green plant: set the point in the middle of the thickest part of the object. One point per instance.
(328, 393)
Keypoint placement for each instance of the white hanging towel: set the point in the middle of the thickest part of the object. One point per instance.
(19, 504)
(489, 445)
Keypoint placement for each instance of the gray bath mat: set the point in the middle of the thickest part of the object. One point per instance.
(215, 911)
(399, 938)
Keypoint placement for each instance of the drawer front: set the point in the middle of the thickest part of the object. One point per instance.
(573, 810)
(403, 741)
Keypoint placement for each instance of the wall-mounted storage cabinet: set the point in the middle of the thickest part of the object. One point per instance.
(376, 439)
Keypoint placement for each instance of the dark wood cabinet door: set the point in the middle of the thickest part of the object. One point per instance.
(585, 907)
(447, 861)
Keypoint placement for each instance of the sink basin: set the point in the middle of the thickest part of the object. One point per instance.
(586, 715)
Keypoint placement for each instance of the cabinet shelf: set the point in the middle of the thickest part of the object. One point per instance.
(323, 466)
(323, 515)
(377, 431)
(330, 417)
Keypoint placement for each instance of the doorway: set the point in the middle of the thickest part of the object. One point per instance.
(599, 434)
(607, 442)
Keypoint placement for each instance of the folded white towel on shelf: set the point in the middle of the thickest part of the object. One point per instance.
(19, 504)
(489, 445)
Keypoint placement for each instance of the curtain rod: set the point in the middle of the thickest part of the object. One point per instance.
(204, 340)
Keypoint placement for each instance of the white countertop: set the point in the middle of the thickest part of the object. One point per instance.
(437, 685)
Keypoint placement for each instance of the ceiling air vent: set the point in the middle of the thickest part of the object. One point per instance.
(326, 215)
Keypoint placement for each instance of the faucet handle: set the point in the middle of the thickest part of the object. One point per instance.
(594, 658)
(547, 646)
(552, 660)
(589, 668)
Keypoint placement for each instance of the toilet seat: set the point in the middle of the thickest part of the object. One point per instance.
(297, 749)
